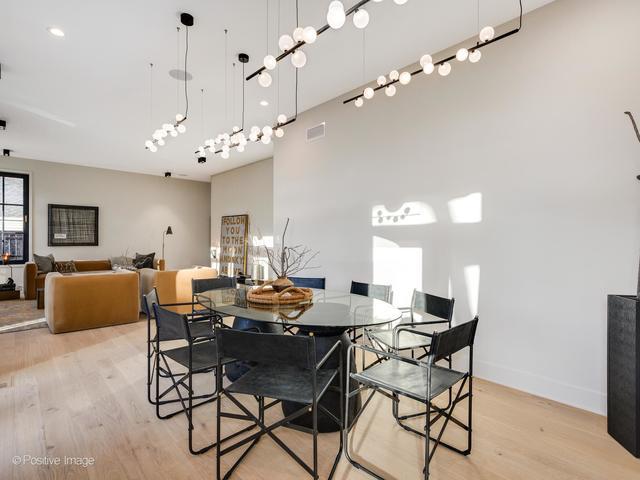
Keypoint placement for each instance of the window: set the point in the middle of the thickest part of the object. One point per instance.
(14, 216)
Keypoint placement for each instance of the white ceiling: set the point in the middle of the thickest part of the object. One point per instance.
(85, 98)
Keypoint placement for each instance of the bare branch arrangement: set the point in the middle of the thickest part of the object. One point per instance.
(286, 261)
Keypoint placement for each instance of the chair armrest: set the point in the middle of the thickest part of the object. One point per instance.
(394, 356)
(328, 355)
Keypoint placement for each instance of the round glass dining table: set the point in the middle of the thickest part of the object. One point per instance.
(327, 316)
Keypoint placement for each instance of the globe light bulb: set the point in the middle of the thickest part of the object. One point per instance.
(181, 128)
(369, 93)
(157, 135)
(161, 142)
(298, 34)
(394, 75)
(266, 139)
(299, 59)
(336, 16)
(462, 54)
(487, 33)
(166, 127)
(425, 59)
(226, 137)
(173, 133)
(279, 132)
(285, 42)
(148, 144)
(361, 18)
(444, 69)
(405, 78)
(255, 129)
(224, 155)
(264, 79)
(269, 62)
(267, 131)
(225, 148)
(475, 56)
(282, 118)
(179, 117)
(309, 35)
(359, 102)
(153, 149)
(253, 137)
(390, 91)
(428, 68)
(163, 134)
(235, 129)
(400, 2)
(381, 80)
(240, 148)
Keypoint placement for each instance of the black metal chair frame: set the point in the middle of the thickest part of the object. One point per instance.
(432, 412)
(259, 420)
(185, 381)
(152, 349)
(356, 333)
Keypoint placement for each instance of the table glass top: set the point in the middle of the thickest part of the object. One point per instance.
(327, 309)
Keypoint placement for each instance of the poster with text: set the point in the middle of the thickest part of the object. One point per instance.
(233, 244)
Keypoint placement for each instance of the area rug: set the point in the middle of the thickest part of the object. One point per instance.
(18, 315)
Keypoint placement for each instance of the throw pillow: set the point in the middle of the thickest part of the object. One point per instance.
(144, 261)
(65, 267)
(44, 263)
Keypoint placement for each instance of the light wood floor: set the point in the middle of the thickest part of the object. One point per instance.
(83, 395)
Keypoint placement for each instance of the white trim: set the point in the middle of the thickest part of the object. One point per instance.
(543, 386)
(26, 323)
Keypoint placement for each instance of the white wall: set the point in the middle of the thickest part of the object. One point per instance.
(134, 210)
(245, 190)
(537, 129)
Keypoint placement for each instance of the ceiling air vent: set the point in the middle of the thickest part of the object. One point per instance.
(314, 133)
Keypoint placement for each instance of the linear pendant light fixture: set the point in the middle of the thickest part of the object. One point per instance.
(428, 66)
(290, 45)
(176, 127)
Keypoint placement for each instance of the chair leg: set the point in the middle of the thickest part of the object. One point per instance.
(427, 431)
(314, 415)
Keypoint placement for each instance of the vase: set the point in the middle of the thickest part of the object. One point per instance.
(281, 283)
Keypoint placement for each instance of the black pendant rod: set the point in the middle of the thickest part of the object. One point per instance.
(320, 31)
(440, 62)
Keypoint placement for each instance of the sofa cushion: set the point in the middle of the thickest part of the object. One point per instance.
(45, 263)
(144, 261)
(92, 265)
(64, 267)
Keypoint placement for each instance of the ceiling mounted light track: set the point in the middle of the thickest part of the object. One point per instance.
(290, 45)
(473, 53)
(177, 126)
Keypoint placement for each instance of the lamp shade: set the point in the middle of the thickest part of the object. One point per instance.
(169, 231)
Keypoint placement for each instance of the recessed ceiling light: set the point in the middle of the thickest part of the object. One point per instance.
(55, 31)
(264, 103)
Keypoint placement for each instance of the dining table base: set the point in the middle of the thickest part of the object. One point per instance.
(325, 340)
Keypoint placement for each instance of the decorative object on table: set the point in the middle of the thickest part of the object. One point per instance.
(623, 371)
(144, 261)
(8, 290)
(72, 225)
(267, 294)
(44, 263)
(234, 230)
(287, 261)
(166, 232)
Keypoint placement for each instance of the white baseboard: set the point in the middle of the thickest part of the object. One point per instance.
(574, 395)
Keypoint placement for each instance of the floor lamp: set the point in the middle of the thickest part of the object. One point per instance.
(166, 232)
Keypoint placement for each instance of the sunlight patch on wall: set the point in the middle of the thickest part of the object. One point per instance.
(400, 267)
(472, 282)
(466, 209)
(410, 213)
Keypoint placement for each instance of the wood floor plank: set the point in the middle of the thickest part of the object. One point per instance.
(83, 394)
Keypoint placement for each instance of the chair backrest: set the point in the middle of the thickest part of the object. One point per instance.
(379, 292)
(266, 348)
(199, 285)
(170, 325)
(309, 282)
(452, 340)
(147, 303)
(433, 305)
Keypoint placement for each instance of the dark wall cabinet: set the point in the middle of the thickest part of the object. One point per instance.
(623, 371)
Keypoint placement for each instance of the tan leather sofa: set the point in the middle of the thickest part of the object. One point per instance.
(79, 301)
(174, 286)
(34, 279)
